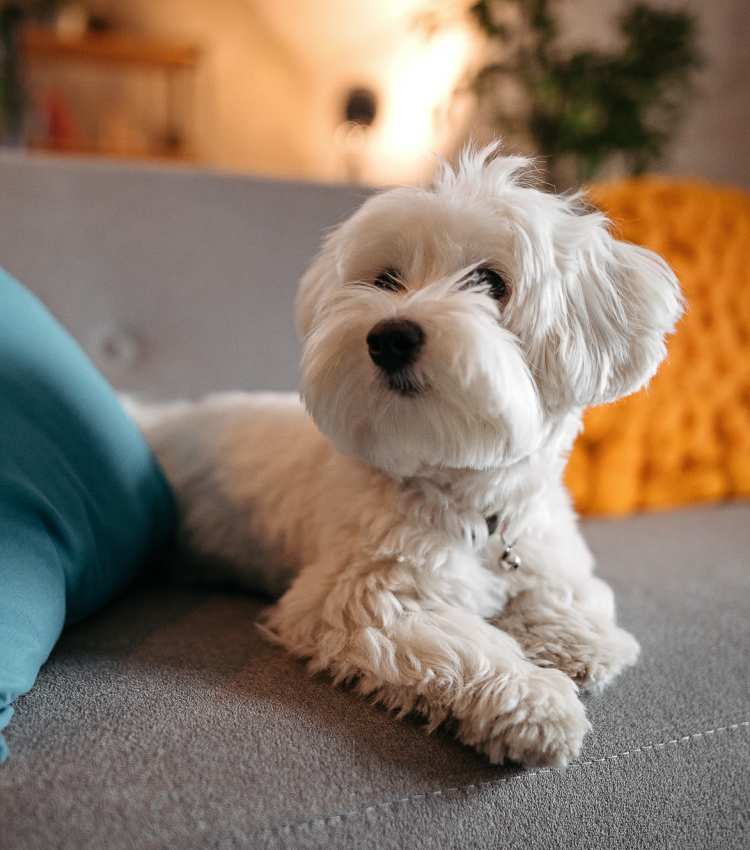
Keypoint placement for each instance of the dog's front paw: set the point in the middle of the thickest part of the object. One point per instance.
(537, 722)
(597, 663)
(592, 657)
(587, 647)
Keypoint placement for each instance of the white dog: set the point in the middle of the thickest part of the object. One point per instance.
(417, 524)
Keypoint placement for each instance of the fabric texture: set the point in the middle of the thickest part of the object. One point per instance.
(82, 501)
(186, 729)
(686, 438)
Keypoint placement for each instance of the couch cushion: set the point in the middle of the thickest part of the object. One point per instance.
(176, 282)
(166, 721)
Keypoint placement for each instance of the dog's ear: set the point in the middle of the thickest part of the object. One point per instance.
(618, 303)
(312, 284)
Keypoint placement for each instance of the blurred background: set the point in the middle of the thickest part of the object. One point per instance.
(366, 92)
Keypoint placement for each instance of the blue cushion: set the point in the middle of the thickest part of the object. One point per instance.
(82, 501)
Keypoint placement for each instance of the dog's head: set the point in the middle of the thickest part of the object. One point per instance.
(455, 326)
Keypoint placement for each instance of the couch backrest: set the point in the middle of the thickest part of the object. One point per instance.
(176, 281)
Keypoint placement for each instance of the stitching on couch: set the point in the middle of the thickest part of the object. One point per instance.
(322, 821)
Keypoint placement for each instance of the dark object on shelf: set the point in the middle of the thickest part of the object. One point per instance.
(361, 106)
(99, 24)
(589, 105)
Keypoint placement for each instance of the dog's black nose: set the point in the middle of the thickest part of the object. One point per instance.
(394, 344)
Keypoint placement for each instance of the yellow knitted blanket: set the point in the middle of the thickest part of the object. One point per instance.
(686, 438)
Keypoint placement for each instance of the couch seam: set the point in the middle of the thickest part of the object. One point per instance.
(322, 821)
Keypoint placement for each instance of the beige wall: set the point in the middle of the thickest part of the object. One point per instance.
(269, 92)
(270, 86)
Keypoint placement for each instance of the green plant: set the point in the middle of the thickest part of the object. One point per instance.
(13, 101)
(587, 106)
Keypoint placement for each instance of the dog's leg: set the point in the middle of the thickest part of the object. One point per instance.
(561, 628)
(443, 662)
(559, 612)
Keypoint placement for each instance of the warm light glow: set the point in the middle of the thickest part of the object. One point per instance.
(417, 86)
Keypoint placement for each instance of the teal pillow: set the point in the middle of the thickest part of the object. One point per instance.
(82, 501)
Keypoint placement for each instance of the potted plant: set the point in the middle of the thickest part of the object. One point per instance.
(582, 109)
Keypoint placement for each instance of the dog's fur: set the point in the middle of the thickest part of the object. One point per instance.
(376, 506)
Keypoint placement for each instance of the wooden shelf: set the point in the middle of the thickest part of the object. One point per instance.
(109, 49)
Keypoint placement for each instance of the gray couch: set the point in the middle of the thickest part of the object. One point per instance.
(166, 722)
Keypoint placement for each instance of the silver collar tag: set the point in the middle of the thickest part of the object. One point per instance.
(510, 558)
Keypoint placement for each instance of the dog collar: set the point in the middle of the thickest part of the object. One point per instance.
(509, 557)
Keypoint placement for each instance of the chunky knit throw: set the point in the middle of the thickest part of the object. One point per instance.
(686, 438)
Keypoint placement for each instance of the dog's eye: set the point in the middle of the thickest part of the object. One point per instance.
(499, 288)
(497, 285)
(390, 280)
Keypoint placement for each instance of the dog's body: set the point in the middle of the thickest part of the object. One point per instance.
(452, 340)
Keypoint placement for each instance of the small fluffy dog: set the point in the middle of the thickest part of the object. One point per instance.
(415, 521)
